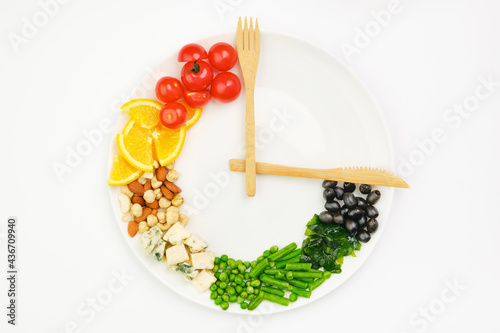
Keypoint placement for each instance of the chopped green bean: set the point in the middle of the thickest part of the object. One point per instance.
(316, 284)
(292, 254)
(308, 280)
(282, 264)
(308, 274)
(254, 272)
(298, 266)
(273, 271)
(272, 264)
(283, 252)
(293, 297)
(274, 282)
(279, 275)
(273, 290)
(298, 283)
(289, 275)
(254, 303)
(301, 292)
(327, 274)
(275, 298)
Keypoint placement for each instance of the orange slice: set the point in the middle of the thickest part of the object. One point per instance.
(168, 143)
(194, 114)
(137, 150)
(122, 173)
(133, 128)
(145, 112)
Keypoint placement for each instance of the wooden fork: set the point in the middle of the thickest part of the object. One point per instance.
(248, 45)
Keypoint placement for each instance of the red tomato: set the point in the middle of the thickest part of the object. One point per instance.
(191, 52)
(197, 99)
(168, 89)
(222, 56)
(226, 87)
(173, 115)
(197, 75)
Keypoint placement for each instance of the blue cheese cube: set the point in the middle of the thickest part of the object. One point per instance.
(159, 250)
(203, 260)
(186, 269)
(176, 254)
(149, 239)
(195, 243)
(203, 280)
(176, 234)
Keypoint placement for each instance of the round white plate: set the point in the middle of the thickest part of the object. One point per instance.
(310, 111)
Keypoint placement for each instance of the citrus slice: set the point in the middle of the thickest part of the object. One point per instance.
(145, 112)
(133, 128)
(168, 143)
(122, 173)
(194, 114)
(137, 150)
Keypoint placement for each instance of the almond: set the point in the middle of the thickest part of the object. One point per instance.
(147, 186)
(153, 205)
(154, 212)
(161, 173)
(166, 193)
(133, 227)
(136, 188)
(145, 212)
(139, 200)
(172, 187)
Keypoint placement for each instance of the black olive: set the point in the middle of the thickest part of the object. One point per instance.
(363, 236)
(373, 197)
(349, 199)
(326, 217)
(361, 203)
(344, 210)
(339, 192)
(372, 225)
(332, 207)
(338, 219)
(371, 211)
(349, 187)
(362, 221)
(351, 226)
(329, 183)
(365, 188)
(329, 194)
(355, 213)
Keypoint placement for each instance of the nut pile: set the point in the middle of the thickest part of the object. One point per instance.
(152, 200)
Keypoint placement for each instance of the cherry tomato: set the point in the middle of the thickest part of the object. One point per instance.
(168, 89)
(197, 75)
(191, 52)
(226, 87)
(222, 56)
(197, 99)
(173, 115)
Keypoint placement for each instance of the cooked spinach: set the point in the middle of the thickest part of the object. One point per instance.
(327, 245)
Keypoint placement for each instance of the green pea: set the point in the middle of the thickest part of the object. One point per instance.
(238, 280)
(247, 264)
(244, 305)
(244, 294)
(223, 257)
(218, 301)
(230, 262)
(215, 269)
(238, 289)
(274, 249)
(225, 298)
(293, 297)
(230, 290)
(233, 298)
(217, 275)
(223, 285)
(259, 259)
(235, 271)
(250, 297)
(213, 287)
(240, 300)
(256, 292)
(220, 291)
(255, 283)
(242, 268)
(266, 253)
(250, 289)
(223, 277)
(217, 260)
(253, 263)
(232, 277)
(239, 262)
(224, 306)
(272, 264)
(247, 283)
(213, 295)
(223, 265)
(227, 271)
(247, 276)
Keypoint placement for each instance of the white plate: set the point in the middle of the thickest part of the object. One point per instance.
(310, 111)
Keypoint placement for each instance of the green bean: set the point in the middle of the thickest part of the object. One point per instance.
(292, 254)
(254, 303)
(327, 274)
(254, 272)
(279, 275)
(301, 292)
(308, 274)
(274, 282)
(298, 283)
(308, 280)
(272, 264)
(316, 284)
(298, 266)
(283, 252)
(273, 290)
(275, 299)
(289, 275)
(293, 297)
(273, 271)
(282, 264)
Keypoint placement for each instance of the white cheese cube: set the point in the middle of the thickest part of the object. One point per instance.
(176, 254)
(203, 280)
(203, 260)
(195, 243)
(159, 250)
(176, 234)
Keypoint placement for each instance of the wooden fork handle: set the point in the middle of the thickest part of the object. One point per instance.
(250, 169)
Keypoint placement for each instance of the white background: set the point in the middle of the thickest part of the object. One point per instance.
(76, 69)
